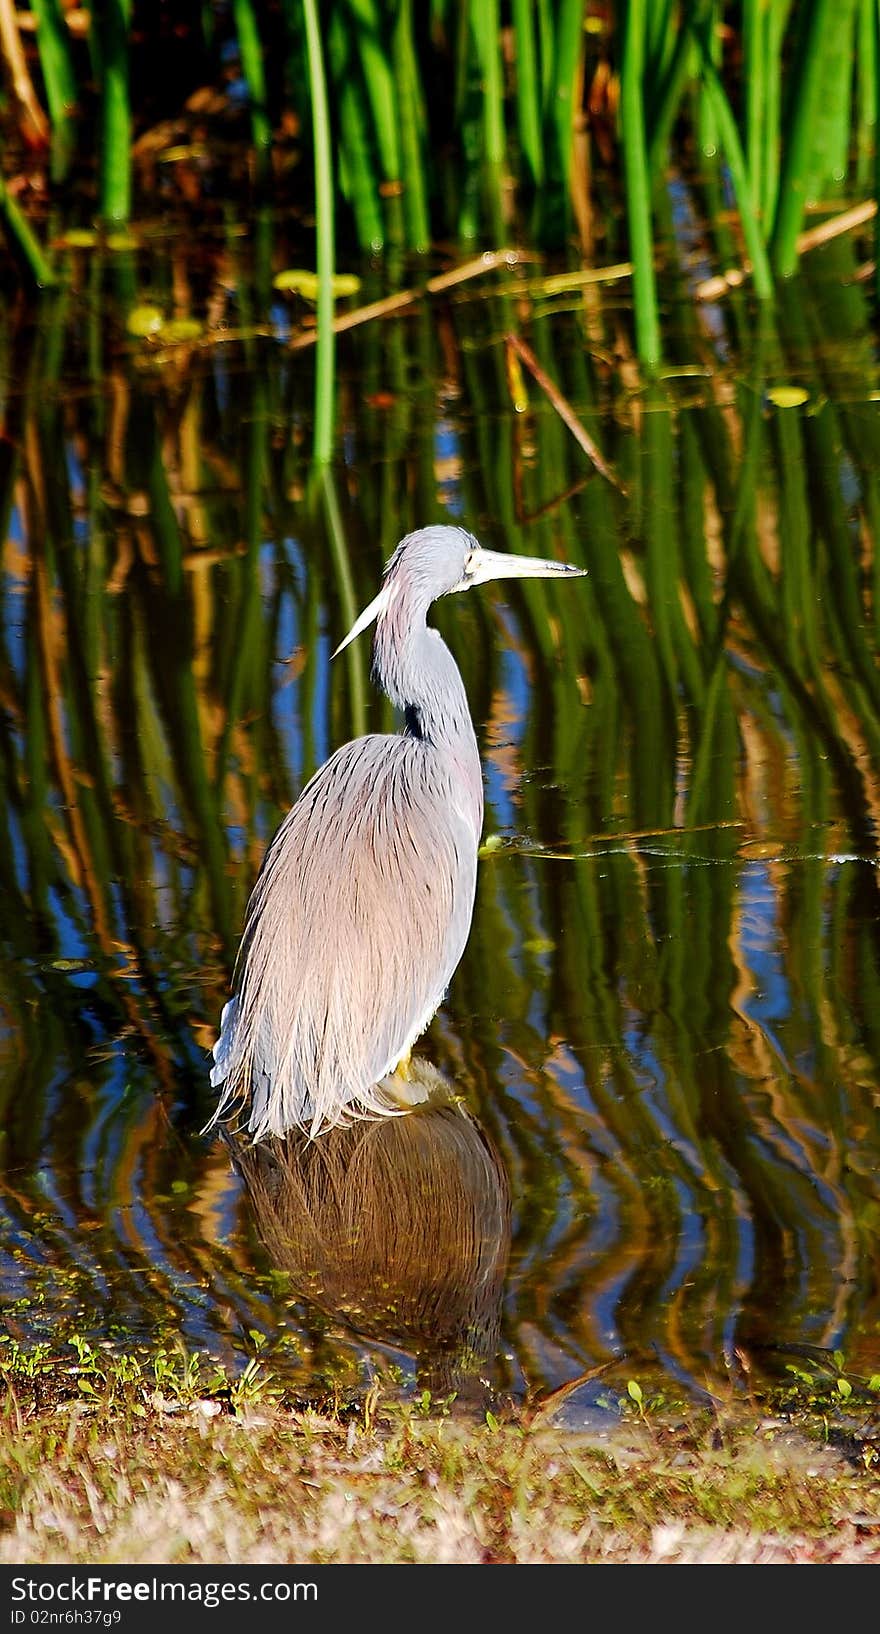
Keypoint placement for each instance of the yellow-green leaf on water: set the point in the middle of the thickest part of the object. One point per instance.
(145, 320)
(492, 842)
(182, 150)
(787, 396)
(539, 944)
(182, 329)
(299, 281)
(78, 238)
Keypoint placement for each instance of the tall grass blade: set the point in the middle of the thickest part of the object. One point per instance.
(816, 21)
(325, 352)
(638, 190)
(528, 87)
(250, 46)
(113, 18)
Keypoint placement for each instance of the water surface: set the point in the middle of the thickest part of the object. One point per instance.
(663, 1150)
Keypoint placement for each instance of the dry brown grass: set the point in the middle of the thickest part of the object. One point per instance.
(102, 1485)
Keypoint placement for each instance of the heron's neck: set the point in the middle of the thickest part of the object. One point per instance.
(414, 666)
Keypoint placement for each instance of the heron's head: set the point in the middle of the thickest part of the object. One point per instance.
(441, 560)
(432, 561)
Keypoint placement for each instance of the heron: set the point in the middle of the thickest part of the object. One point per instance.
(362, 907)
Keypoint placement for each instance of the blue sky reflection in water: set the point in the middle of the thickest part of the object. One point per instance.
(664, 1031)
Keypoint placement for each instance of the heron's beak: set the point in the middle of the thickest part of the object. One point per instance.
(483, 565)
(377, 606)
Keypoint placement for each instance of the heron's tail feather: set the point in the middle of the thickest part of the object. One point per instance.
(251, 1081)
(247, 1091)
(223, 1048)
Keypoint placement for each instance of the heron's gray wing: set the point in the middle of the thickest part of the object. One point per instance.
(355, 925)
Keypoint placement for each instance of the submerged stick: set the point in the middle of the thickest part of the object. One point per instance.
(844, 223)
(35, 125)
(474, 268)
(564, 410)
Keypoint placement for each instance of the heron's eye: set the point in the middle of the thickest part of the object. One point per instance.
(470, 564)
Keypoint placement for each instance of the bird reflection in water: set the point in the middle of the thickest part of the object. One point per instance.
(398, 1228)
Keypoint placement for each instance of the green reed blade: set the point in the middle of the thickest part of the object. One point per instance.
(380, 85)
(36, 762)
(754, 44)
(834, 425)
(663, 103)
(567, 66)
(528, 92)
(705, 27)
(356, 174)
(251, 49)
(678, 654)
(829, 156)
(817, 20)
(877, 153)
(53, 45)
(766, 184)
(655, 477)
(486, 31)
(340, 552)
(412, 119)
(638, 190)
(729, 137)
(866, 91)
(23, 240)
(113, 18)
(546, 24)
(692, 487)
(325, 350)
(661, 34)
(842, 306)
(249, 628)
(798, 600)
(844, 595)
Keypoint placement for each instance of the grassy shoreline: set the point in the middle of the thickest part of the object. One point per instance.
(137, 1476)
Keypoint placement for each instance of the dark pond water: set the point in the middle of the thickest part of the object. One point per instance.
(664, 1037)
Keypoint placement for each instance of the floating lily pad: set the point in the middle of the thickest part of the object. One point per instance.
(787, 396)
